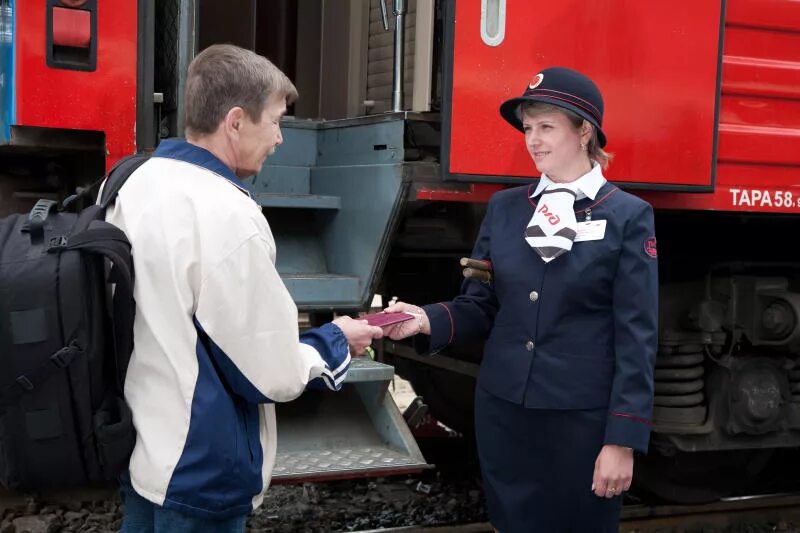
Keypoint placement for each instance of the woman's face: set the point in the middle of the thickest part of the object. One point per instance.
(554, 145)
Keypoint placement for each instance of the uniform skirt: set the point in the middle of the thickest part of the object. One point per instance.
(537, 467)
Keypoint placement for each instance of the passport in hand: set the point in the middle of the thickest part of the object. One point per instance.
(386, 319)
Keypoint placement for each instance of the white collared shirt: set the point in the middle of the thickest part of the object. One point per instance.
(586, 186)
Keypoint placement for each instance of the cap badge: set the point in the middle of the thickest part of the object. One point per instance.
(536, 81)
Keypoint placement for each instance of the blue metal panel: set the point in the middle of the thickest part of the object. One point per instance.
(362, 163)
(335, 291)
(370, 195)
(299, 146)
(384, 414)
(339, 185)
(298, 253)
(283, 179)
(365, 369)
(7, 68)
(297, 201)
(362, 144)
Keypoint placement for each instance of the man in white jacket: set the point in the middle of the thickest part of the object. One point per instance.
(216, 336)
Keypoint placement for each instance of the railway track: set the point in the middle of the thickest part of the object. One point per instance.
(771, 512)
(779, 511)
(483, 527)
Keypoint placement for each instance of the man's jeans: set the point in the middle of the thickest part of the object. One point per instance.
(143, 516)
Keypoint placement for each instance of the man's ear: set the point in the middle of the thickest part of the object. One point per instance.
(233, 120)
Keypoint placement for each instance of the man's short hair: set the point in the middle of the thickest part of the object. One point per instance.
(224, 76)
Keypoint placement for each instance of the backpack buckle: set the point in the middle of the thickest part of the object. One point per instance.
(63, 357)
(25, 383)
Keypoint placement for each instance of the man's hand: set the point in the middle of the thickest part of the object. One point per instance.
(613, 471)
(359, 334)
(419, 324)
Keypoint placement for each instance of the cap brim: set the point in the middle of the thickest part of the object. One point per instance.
(508, 110)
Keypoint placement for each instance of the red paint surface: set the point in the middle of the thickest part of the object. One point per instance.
(659, 85)
(655, 62)
(103, 100)
(477, 192)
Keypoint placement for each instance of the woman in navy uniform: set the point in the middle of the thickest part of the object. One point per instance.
(565, 389)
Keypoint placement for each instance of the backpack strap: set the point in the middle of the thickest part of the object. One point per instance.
(25, 383)
(111, 243)
(122, 164)
(118, 175)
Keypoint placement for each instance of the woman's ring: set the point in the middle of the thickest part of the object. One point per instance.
(612, 490)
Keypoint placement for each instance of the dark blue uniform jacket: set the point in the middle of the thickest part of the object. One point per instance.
(579, 332)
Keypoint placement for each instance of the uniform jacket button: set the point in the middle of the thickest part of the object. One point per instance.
(529, 346)
(534, 296)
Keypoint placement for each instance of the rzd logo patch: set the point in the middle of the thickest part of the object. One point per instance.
(650, 247)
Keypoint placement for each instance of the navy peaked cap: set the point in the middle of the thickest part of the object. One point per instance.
(561, 87)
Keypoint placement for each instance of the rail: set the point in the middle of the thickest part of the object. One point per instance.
(729, 512)
(746, 511)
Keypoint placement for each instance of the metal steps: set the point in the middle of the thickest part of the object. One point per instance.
(332, 194)
(357, 431)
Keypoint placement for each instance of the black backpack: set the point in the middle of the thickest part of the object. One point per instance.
(65, 343)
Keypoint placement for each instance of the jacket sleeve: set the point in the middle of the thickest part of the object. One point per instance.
(635, 308)
(248, 321)
(470, 316)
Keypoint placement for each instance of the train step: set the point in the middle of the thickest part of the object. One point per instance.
(297, 201)
(306, 288)
(355, 432)
(333, 194)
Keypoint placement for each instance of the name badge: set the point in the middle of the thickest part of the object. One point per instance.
(592, 230)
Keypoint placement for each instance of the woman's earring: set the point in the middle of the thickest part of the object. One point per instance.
(583, 146)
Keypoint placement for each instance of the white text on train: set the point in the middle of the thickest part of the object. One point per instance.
(763, 198)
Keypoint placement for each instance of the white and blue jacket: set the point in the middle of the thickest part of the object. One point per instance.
(215, 336)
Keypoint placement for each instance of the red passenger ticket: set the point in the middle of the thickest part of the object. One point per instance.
(386, 319)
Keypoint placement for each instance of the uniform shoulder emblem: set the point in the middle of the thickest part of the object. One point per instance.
(650, 247)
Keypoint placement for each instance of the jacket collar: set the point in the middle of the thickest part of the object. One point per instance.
(182, 150)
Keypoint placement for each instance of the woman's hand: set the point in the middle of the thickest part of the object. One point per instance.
(613, 471)
(401, 330)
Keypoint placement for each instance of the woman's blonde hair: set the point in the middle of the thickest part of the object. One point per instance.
(593, 149)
